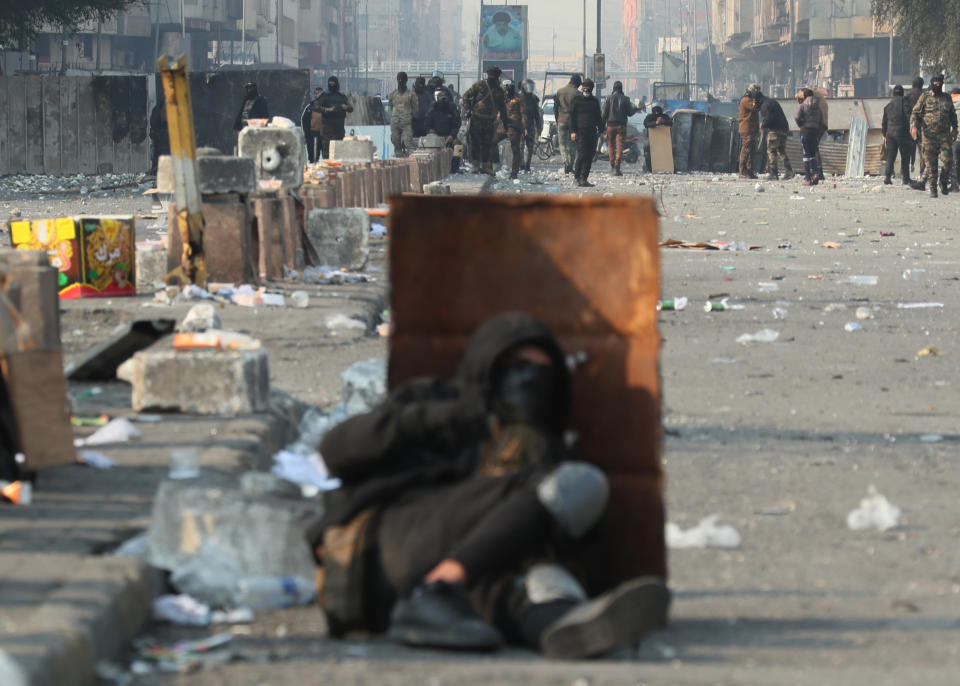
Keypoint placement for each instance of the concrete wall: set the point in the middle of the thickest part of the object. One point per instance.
(217, 97)
(73, 124)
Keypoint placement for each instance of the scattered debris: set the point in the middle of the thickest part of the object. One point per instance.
(95, 459)
(183, 610)
(672, 304)
(762, 336)
(706, 534)
(874, 512)
(850, 327)
(929, 351)
(200, 318)
(918, 306)
(304, 470)
(339, 320)
(119, 430)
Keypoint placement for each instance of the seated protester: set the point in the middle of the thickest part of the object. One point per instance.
(657, 117)
(457, 497)
(442, 118)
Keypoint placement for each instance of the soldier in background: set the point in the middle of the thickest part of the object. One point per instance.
(404, 105)
(534, 128)
(774, 122)
(749, 131)
(935, 117)
(482, 102)
(515, 123)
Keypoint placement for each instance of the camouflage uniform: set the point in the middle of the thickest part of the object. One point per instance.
(403, 106)
(516, 125)
(483, 103)
(935, 116)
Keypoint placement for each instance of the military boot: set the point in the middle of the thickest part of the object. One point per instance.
(886, 180)
(773, 176)
(933, 190)
(918, 185)
(787, 175)
(944, 184)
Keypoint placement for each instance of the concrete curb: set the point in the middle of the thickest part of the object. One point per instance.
(108, 599)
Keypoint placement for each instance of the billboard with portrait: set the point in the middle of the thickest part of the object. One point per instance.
(503, 32)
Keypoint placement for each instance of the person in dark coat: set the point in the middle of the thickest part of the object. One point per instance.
(657, 117)
(425, 101)
(254, 107)
(910, 99)
(895, 127)
(809, 118)
(617, 110)
(531, 106)
(773, 122)
(334, 106)
(311, 121)
(159, 133)
(453, 493)
(442, 118)
(586, 125)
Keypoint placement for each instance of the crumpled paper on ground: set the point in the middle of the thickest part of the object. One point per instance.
(706, 534)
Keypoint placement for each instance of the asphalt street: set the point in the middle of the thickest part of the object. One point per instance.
(780, 440)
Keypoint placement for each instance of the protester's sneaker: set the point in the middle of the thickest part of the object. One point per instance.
(585, 184)
(439, 615)
(615, 620)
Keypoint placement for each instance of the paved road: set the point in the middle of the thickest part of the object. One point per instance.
(780, 440)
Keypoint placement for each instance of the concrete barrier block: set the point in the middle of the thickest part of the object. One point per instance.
(215, 173)
(277, 154)
(151, 267)
(352, 150)
(264, 533)
(202, 382)
(341, 237)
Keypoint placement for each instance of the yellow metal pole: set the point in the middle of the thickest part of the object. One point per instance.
(183, 154)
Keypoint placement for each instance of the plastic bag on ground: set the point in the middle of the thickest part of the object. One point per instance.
(762, 336)
(305, 470)
(706, 534)
(182, 610)
(875, 512)
(119, 430)
(210, 576)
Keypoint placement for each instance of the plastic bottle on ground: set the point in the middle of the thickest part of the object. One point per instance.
(265, 592)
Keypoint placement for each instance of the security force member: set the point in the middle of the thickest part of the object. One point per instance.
(482, 102)
(563, 111)
(531, 105)
(935, 117)
(749, 131)
(404, 105)
(515, 123)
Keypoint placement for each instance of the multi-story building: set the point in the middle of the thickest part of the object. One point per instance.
(788, 44)
(321, 35)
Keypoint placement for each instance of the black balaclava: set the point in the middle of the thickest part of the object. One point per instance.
(657, 110)
(897, 91)
(333, 84)
(525, 393)
(493, 76)
(936, 85)
(617, 87)
(918, 82)
(252, 91)
(419, 85)
(402, 82)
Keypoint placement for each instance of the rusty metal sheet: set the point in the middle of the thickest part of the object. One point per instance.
(589, 269)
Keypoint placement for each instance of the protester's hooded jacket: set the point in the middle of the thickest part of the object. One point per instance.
(430, 431)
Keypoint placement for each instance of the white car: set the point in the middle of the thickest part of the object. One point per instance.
(548, 116)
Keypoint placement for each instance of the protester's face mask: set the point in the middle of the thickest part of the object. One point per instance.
(493, 80)
(333, 86)
(525, 394)
(937, 88)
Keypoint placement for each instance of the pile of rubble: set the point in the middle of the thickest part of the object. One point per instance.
(100, 185)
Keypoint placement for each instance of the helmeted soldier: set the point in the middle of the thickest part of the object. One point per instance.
(749, 130)
(935, 116)
(482, 102)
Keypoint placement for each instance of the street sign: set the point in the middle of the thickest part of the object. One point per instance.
(599, 68)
